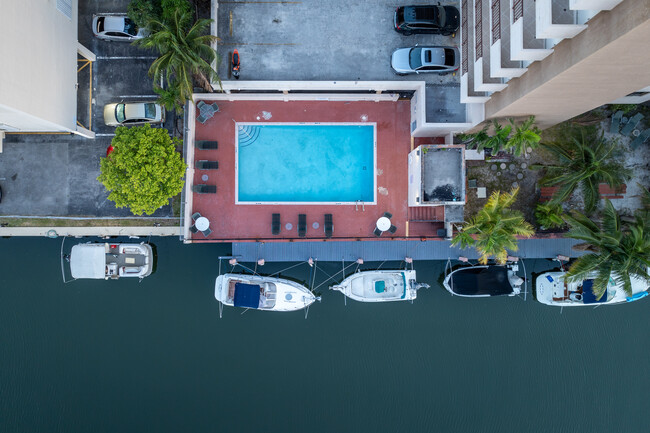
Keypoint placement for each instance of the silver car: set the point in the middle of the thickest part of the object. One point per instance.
(425, 59)
(117, 27)
(133, 113)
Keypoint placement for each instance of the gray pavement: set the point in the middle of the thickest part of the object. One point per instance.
(318, 40)
(55, 175)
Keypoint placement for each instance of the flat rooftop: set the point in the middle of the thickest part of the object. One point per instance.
(250, 222)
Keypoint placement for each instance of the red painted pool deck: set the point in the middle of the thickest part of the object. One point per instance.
(238, 222)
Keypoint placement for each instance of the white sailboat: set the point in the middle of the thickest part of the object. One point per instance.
(552, 289)
(262, 293)
(380, 286)
(110, 261)
(484, 280)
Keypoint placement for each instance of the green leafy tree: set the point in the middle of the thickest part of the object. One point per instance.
(185, 53)
(495, 228)
(512, 138)
(549, 215)
(144, 170)
(584, 159)
(618, 250)
(524, 135)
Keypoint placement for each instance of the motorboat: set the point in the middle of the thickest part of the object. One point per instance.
(262, 293)
(380, 286)
(111, 261)
(484, 280)
(552, 289)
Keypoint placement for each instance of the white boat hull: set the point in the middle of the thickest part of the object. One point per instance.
(554, 291)
(276, 294)
(379, 286)
(111, 260)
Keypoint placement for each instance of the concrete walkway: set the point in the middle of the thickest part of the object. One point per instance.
(53, 232)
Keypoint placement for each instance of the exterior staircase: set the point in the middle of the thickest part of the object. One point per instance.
(426, 214)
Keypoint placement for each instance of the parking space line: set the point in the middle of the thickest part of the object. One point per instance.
(137, 96)
(105, 135)
(256, 43)
(126, 58)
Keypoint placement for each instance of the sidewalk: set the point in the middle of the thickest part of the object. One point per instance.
(90, 231)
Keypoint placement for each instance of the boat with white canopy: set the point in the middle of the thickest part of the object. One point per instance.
(380, 286)
(111, 260)
(262, 293)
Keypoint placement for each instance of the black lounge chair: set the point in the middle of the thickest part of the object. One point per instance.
(302, 225)
(193, 229)
(207, 232)
(329, 225)
(206, 165)
(388, 215)
(275, 224)
(204, 189)
(392, 229)
(206, 144)
(377, 232)
(196, 215)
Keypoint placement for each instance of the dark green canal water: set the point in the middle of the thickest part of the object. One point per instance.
(123, 356)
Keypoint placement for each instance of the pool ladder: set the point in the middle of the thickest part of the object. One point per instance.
(356, 205)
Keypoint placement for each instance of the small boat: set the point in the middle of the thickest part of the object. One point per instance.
(110, 261)
(262, 293)
(484, 280)
(552, 289)
(380, 286)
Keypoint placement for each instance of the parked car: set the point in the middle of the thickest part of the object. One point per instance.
(425, 59)
(116, 28)
(133, 113)
(437, 20)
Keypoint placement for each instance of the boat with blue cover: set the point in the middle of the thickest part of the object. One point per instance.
(262, 293)
(380, 286)
(552, 289)
(484, 280)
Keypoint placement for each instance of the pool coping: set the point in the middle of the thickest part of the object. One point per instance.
(315, 203)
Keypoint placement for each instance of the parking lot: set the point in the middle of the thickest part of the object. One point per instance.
(318, 40)
(56, 174)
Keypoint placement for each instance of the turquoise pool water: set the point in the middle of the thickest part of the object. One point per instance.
(305, 163)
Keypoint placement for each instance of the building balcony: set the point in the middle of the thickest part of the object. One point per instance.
(524, 44)
(501, 64)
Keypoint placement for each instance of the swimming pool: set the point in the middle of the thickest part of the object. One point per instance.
(305, 163)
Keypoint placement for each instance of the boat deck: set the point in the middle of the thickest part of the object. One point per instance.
(231, 222)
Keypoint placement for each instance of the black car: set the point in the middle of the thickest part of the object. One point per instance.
(437, 20)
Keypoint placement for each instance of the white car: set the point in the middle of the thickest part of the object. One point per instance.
(116, 28)
(133, 113)
(441, 60)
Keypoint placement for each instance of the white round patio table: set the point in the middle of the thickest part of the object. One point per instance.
(383, 224)
(202, 224)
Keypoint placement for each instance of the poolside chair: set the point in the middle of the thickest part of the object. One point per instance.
(631, 124)
(640, 139)
(616, 122)
(204, 189)
(202, 164)
(275, 224)
(196, 215)
(215, 107)
(328, 226)
(206, 144)
(388, 215)
(377, 232)
(392, 229)
(202, 119)
(302, 225)
(193, 229)
(207, 232)
(200, 104)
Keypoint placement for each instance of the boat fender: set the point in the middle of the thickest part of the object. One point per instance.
(636, 296)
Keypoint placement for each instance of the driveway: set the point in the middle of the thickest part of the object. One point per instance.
(318, 40)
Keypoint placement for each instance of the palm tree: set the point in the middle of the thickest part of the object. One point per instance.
(169, 97)
(185, 53)
(584, 160)
(524, 136)
(549, 215)
(482, 140)
(618, 250)
(496, 227)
